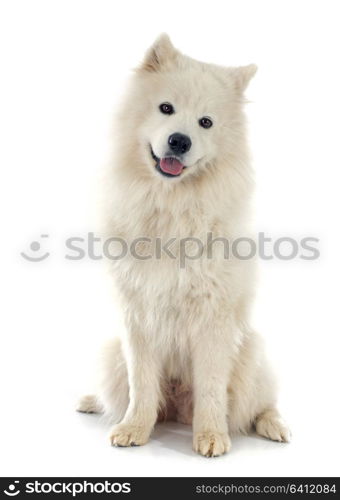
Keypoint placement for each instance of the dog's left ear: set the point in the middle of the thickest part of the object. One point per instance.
(159, 54)
(242, 76)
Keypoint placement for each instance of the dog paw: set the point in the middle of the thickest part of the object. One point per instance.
(270, 425)
(129, 435)
(211, 444)
(89, 404)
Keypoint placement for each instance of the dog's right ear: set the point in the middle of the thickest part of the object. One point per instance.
(159, 54)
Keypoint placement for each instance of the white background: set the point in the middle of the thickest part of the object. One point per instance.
(63, 67)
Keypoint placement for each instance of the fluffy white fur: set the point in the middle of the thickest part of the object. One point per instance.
(188, 352)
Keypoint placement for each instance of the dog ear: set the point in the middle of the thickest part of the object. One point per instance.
(161, 52)
(242, 76)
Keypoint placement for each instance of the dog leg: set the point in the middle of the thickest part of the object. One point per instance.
(144, 383)
(112, 395)
(253, 393)
(210, 380)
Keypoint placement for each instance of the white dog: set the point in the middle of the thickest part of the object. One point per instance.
(180, 173)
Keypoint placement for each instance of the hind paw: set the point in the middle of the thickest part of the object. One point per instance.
(89, 404)
(270, 425)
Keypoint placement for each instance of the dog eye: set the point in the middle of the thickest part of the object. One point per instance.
(205, 122)
(166, 108)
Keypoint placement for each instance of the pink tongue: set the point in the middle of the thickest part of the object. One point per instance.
(171, 166)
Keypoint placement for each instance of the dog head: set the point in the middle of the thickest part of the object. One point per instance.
(186, 114)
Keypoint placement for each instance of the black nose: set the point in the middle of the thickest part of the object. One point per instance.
(179, 143)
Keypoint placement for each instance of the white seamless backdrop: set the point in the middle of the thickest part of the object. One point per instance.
(64, 65)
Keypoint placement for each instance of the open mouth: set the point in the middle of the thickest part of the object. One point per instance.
(170, 166)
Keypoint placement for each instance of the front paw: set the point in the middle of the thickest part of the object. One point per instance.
(129, 435)
(211, 443)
